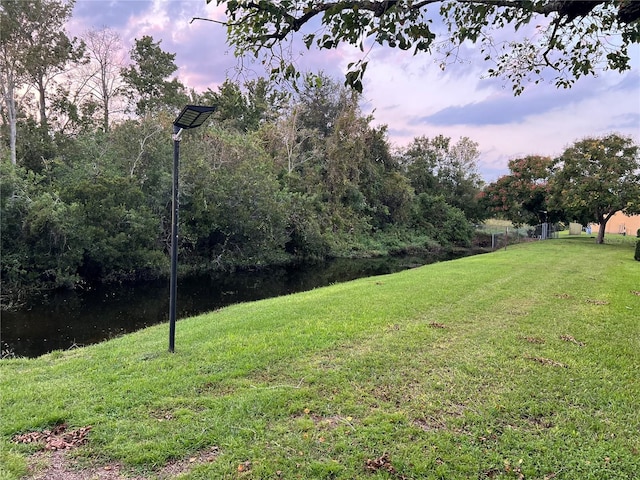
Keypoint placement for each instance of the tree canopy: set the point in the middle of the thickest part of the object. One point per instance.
(597, 177)
(522, 195)
(570, 38)
(34, 49)
(147, 77)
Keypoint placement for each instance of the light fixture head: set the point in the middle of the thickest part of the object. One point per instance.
(193, 116)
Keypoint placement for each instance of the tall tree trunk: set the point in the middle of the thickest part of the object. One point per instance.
(13, 131)
(105, 98)
(43, 105)
(602, 220)
(8, 91)
(105, 115)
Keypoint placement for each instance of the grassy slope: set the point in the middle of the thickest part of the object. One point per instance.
(535, 375)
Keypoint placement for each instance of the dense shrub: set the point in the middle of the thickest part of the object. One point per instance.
(637, 255)
(432, 216)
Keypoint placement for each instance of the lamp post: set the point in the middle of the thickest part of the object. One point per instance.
(191, 116)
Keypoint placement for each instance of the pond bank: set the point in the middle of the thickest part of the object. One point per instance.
(69, 319)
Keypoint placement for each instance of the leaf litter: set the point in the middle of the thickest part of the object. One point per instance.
(382, 463)
(570, 339)
(546, 361)
(57, 438)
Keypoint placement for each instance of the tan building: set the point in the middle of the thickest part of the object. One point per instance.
(620, 223)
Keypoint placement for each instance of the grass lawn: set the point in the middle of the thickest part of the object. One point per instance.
(523, 363)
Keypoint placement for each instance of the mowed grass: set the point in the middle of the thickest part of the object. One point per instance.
(522, 363)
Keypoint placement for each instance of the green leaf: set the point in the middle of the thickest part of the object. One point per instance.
(308, 40)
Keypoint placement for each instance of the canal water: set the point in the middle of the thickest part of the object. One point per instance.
(69, 319)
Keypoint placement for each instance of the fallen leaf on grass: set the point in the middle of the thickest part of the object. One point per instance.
(383, 463)
(56, 439)
(380, 463)
(162, 414)
(244, 466)
(514, 469)
(492, 473)
(536, 340)
(437, 325)
(565, 296)
(546, 361)
(569, 338)
(597, 302)
(635, 292)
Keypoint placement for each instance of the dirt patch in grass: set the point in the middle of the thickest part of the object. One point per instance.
(538, 421)
(327, 422)
(430, 424)
(546, 361)
(438, 420)
(162, 415)
(216, 389)
(333, 422)
(57, 465)
(178, 467)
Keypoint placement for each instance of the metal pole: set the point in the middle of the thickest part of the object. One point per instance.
(173, 288)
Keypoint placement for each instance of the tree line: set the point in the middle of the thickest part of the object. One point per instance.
(276, 177)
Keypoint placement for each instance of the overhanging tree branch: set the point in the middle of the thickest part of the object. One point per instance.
(577, 32)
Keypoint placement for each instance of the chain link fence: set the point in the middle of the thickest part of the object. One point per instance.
(495, 237)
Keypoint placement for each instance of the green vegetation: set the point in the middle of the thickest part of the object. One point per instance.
(515, 364)
(277, 176)
(592, 179)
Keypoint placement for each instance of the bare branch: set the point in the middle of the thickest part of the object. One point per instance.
(209, 20)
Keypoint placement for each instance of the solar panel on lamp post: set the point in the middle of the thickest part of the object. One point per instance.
(191, 116)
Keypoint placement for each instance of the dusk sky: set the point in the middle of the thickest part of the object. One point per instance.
(410, 94)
